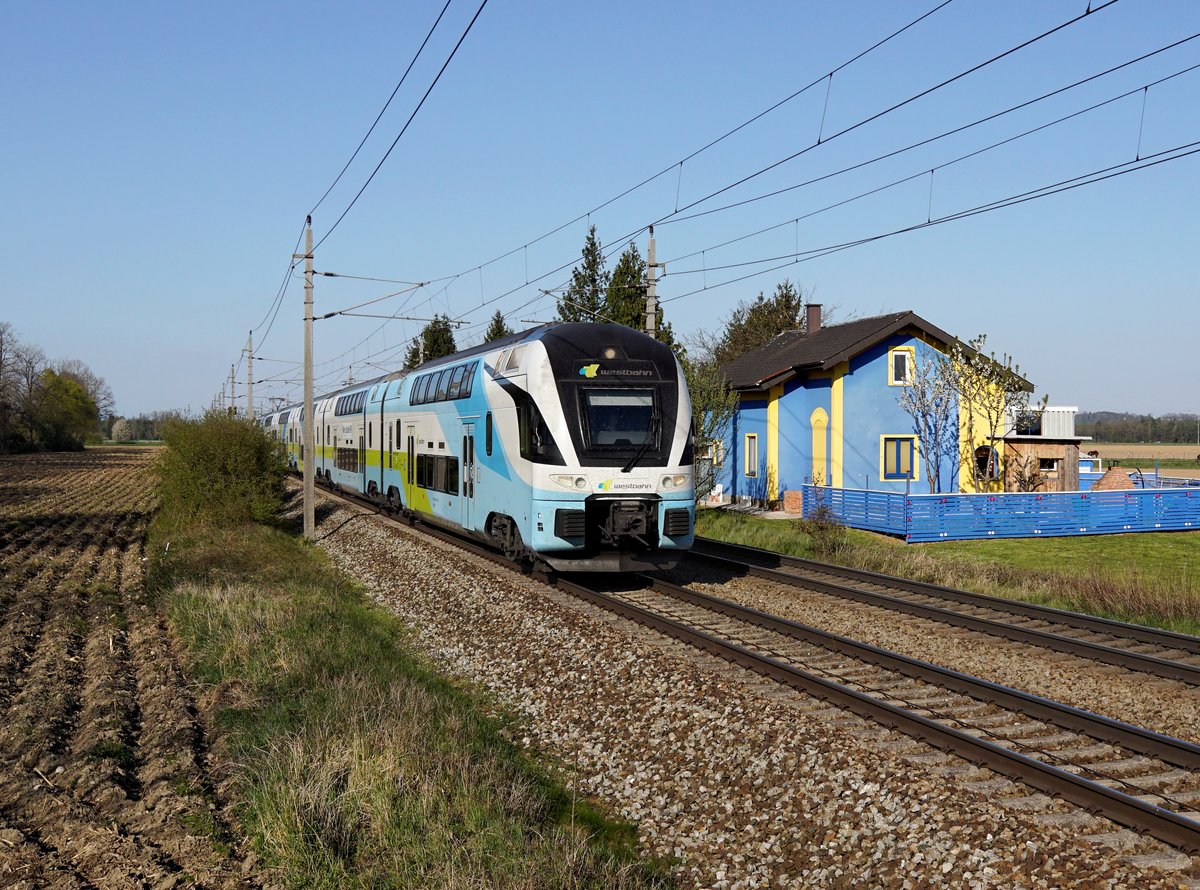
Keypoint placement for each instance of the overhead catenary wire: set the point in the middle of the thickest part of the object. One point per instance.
(681, 217)
(863, 122)
(407, 123)
(1139, 90)
(1091, 178)
(386, 104)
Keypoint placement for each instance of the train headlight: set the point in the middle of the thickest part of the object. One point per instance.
(578, 483)
(669, 482)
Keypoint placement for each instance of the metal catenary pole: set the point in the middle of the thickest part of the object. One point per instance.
(309, 446)
(250, 376)
(651, 296)
(232, 397)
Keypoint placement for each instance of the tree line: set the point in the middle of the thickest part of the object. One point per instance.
(46, 406)
(1112, 426)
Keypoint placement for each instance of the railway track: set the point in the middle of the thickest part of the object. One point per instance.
(1145, 781)
(1149, 650)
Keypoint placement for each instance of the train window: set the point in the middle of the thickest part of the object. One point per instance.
(487, 434)
(456, 377)
(450, 475)
(618, 418)
(370, 433)
(534, 437)
(442, 385)
(467, 381)
(514, 358)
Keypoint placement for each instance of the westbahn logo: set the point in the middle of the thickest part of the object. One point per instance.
(606, 485)
(594, 370)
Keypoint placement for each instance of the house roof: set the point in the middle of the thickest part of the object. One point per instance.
(794, 352)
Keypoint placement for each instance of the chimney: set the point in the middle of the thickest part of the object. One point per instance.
(812, 318)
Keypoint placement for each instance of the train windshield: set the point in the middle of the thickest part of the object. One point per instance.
(618, 418)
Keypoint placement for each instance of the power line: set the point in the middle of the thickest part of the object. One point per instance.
(1139, 90)
(895, 107)
(712, 143)
(404, 129)
(1101, 175)
(375, 123)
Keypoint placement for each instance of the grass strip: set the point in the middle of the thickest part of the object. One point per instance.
(1151, 579)
(353, 763)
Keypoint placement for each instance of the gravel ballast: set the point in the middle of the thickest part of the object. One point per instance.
(742, 782)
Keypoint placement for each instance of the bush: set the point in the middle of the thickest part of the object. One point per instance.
(829, 539)
(222, 469)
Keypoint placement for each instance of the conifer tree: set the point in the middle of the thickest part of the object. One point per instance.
(438, 337)
(584, 299)
(752, 324)
(497, 329)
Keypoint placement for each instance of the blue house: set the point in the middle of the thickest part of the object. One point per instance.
(820, 406)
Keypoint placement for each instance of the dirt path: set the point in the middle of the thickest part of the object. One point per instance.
(103, 774)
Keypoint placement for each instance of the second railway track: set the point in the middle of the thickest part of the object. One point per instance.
(1162, 653)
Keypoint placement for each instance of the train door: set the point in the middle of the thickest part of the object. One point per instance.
(362, 462)
(468, 476)
(411, 469)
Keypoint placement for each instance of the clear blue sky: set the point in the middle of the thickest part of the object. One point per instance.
(158, 160)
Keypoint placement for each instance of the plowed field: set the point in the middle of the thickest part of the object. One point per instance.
(103, 773)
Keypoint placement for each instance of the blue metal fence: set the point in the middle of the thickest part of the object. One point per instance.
(956, 517)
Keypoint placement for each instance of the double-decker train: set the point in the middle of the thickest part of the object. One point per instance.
(568, 444)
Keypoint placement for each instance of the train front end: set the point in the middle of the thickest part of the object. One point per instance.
(619, 493)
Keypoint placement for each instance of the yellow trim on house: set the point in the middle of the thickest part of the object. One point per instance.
(819, 421)
(836, 423)
(916, 456)
(912, 363)
(773, 397)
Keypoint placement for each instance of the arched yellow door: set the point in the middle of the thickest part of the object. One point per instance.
(820, 449)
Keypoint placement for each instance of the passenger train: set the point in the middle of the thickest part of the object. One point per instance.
(568, 444)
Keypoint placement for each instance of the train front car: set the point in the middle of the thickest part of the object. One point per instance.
(602, 428)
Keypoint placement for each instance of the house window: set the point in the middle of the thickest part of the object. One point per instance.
(1048, 464)
(752, 454)
(987, 462)
(900, 365)
(899, 458)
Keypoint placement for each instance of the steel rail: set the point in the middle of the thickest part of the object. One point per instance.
(1161, 667)
(1166, 638)
(1158, 822)
(1167, 748)
(1167, 826)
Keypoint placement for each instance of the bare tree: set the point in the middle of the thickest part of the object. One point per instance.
(990, 392)
(713, 407)
(930, 401)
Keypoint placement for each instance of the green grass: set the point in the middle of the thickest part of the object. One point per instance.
(1151, 579)
(1147, 463)
(357, 764)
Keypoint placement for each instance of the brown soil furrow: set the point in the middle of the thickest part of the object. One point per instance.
(28, 862)
(99, 851)
(45, 698)
(104, 745)
(173, 750)
(19, 637)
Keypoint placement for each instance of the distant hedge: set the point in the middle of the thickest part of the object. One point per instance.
(222, 469)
